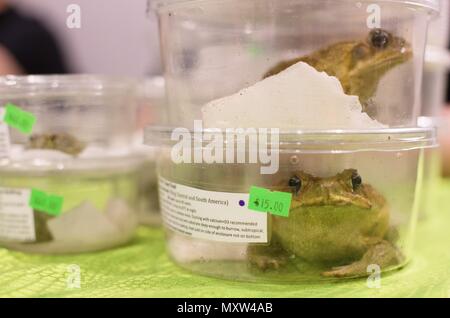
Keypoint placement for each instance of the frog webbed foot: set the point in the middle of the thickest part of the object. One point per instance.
(383, 254)
(266, 257)
(265, 262)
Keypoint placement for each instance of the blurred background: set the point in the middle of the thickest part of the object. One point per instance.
(115, 36)
(119, 37)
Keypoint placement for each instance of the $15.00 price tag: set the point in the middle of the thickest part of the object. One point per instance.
(264, 200)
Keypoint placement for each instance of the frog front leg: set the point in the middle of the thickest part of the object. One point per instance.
(383, 254)
(267, 257)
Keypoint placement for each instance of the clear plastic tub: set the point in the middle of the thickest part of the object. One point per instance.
(149, 213)
(80, 150)
(432, 175)
(432, 172)
(151, 110)
(212, 49)
(438, 33)
(352, 213)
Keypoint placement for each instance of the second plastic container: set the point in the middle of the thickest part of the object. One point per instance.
(72, 183)
(353, 211)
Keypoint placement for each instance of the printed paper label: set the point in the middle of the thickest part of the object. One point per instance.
(211, 215)
(16, 216)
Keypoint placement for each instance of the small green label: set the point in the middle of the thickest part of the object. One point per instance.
(264, 200)
(19, 119)
(51, 204)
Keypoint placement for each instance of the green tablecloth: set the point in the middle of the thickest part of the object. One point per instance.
(142, 269)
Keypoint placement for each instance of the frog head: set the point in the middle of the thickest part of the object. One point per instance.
(359, 65)
(58, 141)
(371, 59)
(344, 189)
(333, 220)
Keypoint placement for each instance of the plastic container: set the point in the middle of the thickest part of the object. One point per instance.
(151, 111)
(81, 152)
(432, 172)
(149, 213)
(356, 205)
(432, 175)
(438, 33)
(214, 48)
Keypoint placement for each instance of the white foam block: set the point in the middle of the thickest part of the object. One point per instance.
(300, 97)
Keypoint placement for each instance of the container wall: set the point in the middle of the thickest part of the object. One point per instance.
(212, 49)
(315, 237)
(94, 109)
(99, 211)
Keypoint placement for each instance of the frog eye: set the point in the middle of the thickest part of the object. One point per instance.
(356, 181)
(379, 38)
(295, 183)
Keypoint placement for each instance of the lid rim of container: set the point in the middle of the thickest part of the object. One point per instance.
(159, 5)
(30, 85)
(135, 160)
(391, 130)
(12, 81)
(381, 138)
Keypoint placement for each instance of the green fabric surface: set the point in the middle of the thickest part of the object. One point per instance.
(142, 269)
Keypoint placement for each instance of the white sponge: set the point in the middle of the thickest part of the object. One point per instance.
(300, 97)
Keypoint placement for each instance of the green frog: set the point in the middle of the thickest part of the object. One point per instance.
(59, 141)
(339, 222)
(359, 65)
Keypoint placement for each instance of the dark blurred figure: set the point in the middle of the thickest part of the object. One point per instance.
(26, 46)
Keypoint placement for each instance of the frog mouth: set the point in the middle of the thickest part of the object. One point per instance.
(390, 61)
(342, 200)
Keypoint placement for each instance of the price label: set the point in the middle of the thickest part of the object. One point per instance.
(264, 200)
(44, 202)
(19, 119)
